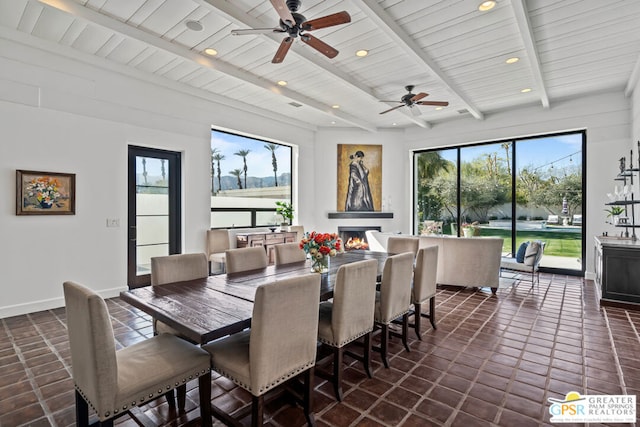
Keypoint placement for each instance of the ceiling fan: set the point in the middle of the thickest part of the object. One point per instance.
(410, 100)
(294, 24)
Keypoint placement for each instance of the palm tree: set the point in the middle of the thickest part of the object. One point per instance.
(244, 154)
(216, 156)
(274, 161)
(507, 150)
(237, 173)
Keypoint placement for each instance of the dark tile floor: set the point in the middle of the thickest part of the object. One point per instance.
(494, 360)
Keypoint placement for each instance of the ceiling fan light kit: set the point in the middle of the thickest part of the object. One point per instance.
(295, 24)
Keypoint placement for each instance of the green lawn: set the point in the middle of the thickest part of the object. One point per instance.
(558, 243)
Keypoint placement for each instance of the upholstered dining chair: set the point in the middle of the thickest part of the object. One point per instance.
(399, 245)
(113, 382)
(394, 300)
(245, 259)
(217, 243)
(176, 268)
(349, 316)
(171, 269)
(424, 286)
(286, 253)
(299, 230)
(280, 345)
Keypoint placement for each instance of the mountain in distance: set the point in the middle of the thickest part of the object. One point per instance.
(231, 182)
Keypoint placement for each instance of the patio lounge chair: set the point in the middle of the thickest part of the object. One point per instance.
(553, 219)
(577, 220)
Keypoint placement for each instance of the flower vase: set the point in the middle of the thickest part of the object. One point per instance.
(320, 264)
(45, 204)
(468, 232)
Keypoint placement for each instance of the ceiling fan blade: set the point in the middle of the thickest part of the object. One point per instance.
(327, 21)
(391, 109)
(319, 45)
(283, 11)
(415, 111)
(243, 32)
(282, 50)
(419, 96)
(393, 101)
(436, 103)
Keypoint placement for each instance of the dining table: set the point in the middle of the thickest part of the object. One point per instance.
(212, 307)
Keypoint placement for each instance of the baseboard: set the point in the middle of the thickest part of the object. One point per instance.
(48, 304)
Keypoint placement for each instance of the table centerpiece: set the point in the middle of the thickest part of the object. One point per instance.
(320, 247)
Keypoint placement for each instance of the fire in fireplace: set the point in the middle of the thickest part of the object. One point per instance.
(354, 237)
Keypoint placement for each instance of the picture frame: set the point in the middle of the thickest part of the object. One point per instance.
(45, 193)
(359, 180)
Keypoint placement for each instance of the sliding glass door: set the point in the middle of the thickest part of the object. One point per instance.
(521, 190)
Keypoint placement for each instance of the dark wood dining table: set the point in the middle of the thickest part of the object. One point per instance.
(210, 308)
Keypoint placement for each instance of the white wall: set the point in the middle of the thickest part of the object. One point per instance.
(395, 194)
(606, 117)
(72, 117)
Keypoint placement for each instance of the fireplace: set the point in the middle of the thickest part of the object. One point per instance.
(355, 237)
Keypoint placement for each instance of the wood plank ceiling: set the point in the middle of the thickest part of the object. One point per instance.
(446, 48)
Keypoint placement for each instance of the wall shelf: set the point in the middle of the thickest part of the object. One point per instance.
(359, 214)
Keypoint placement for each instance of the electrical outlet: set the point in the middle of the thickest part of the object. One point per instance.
(113, 222)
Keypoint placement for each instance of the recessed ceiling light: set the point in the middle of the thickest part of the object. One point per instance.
(512, 60)
(333, 122)
(394, 124)
(211, 51)
(438, 108)
(335, 106)
(362, 53)
(194, 25)
(282, 83)
(487, 5)
(525, 90)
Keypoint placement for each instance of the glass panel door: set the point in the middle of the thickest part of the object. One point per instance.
(153, 210)
(550, 183)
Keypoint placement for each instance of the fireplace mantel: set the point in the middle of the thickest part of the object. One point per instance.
(359, 214)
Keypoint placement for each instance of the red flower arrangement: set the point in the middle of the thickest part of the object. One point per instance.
(321, 246)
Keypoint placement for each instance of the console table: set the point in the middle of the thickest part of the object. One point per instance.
(617, 268)
(266, 239)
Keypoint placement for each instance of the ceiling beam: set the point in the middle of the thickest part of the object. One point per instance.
(633, 79)
(239, 17)
(81, 12)
(526, 32)
(388, 25)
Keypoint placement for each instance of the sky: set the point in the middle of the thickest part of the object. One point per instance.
(258, 160)
(559, 150)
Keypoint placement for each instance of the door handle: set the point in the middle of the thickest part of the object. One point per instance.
(132, 233)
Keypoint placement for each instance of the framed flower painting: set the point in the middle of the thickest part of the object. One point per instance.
(45, 193)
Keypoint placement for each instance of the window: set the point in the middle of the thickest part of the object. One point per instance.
(521, 190)
(248, 176)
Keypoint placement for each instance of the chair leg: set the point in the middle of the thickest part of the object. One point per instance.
(257, 410)
(337, 372)
(308, 397)
(171, 398)
(405, 331)
(417, 314)
(204, 390)
(182, 396)
(432, 311)
(366, 360)
(82, 411)
(384, 344)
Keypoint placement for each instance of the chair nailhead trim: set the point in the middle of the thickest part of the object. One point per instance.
(346, 341)
(143, 399)
(278, 381)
